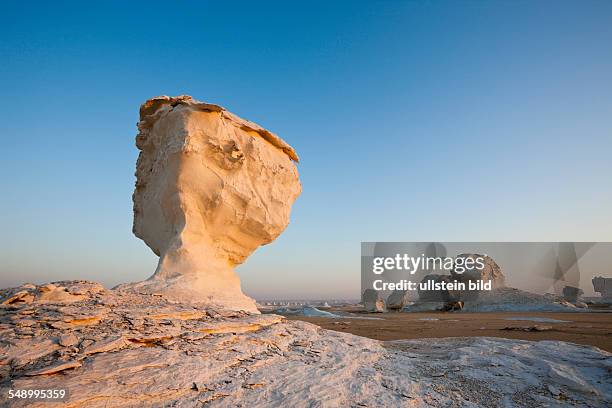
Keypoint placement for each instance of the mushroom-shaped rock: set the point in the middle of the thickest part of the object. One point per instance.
(210, 189)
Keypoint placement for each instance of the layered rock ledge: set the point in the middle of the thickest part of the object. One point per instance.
(129, 349)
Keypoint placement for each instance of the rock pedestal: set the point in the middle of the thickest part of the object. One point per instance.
(210, 189)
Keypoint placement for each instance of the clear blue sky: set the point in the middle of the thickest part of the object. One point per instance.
(430, 120)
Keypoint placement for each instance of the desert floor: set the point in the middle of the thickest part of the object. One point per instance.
(582, 328)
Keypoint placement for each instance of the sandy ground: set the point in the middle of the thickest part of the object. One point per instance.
(583, 328)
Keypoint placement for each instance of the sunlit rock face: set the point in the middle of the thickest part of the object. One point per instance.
(210, 189)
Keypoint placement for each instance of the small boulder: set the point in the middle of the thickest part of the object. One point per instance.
(452, 306)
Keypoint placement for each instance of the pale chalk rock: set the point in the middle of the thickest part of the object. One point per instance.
(398, 299)
(210, 189)
(508, 299)
(603, 286)
(572, 294)
(429, 294)
(372, 301)
(491, 272)
(67, 340)
(148, 351)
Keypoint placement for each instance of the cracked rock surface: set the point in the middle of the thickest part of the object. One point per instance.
(126, 349)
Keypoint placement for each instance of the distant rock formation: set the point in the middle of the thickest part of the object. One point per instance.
(508, 299)
(491, 272)
(603, 286)
(210, 188)
(372, 301)
(125, 349)
(398, 299)
(437, 295)
(452, 306)
(572, 294)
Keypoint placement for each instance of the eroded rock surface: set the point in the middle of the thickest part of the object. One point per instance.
(491, 272)
(123, 349)
(398, 299)
(210, 189)
(572, 294)
(508, 299)
(372, 301)
(603, 286)
(431, 295)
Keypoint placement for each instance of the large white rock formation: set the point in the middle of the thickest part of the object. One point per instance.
(210, 189)
(491, 272)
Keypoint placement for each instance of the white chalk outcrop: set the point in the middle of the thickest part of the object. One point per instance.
(210, 189)
(125, 349)
(398, 299)
(505, 299)
(491, 272)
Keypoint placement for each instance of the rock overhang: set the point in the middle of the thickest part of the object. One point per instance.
(151, 109)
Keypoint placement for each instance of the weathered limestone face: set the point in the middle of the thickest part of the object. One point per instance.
(210, 189)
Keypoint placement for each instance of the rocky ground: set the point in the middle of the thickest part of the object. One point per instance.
(124, 349)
